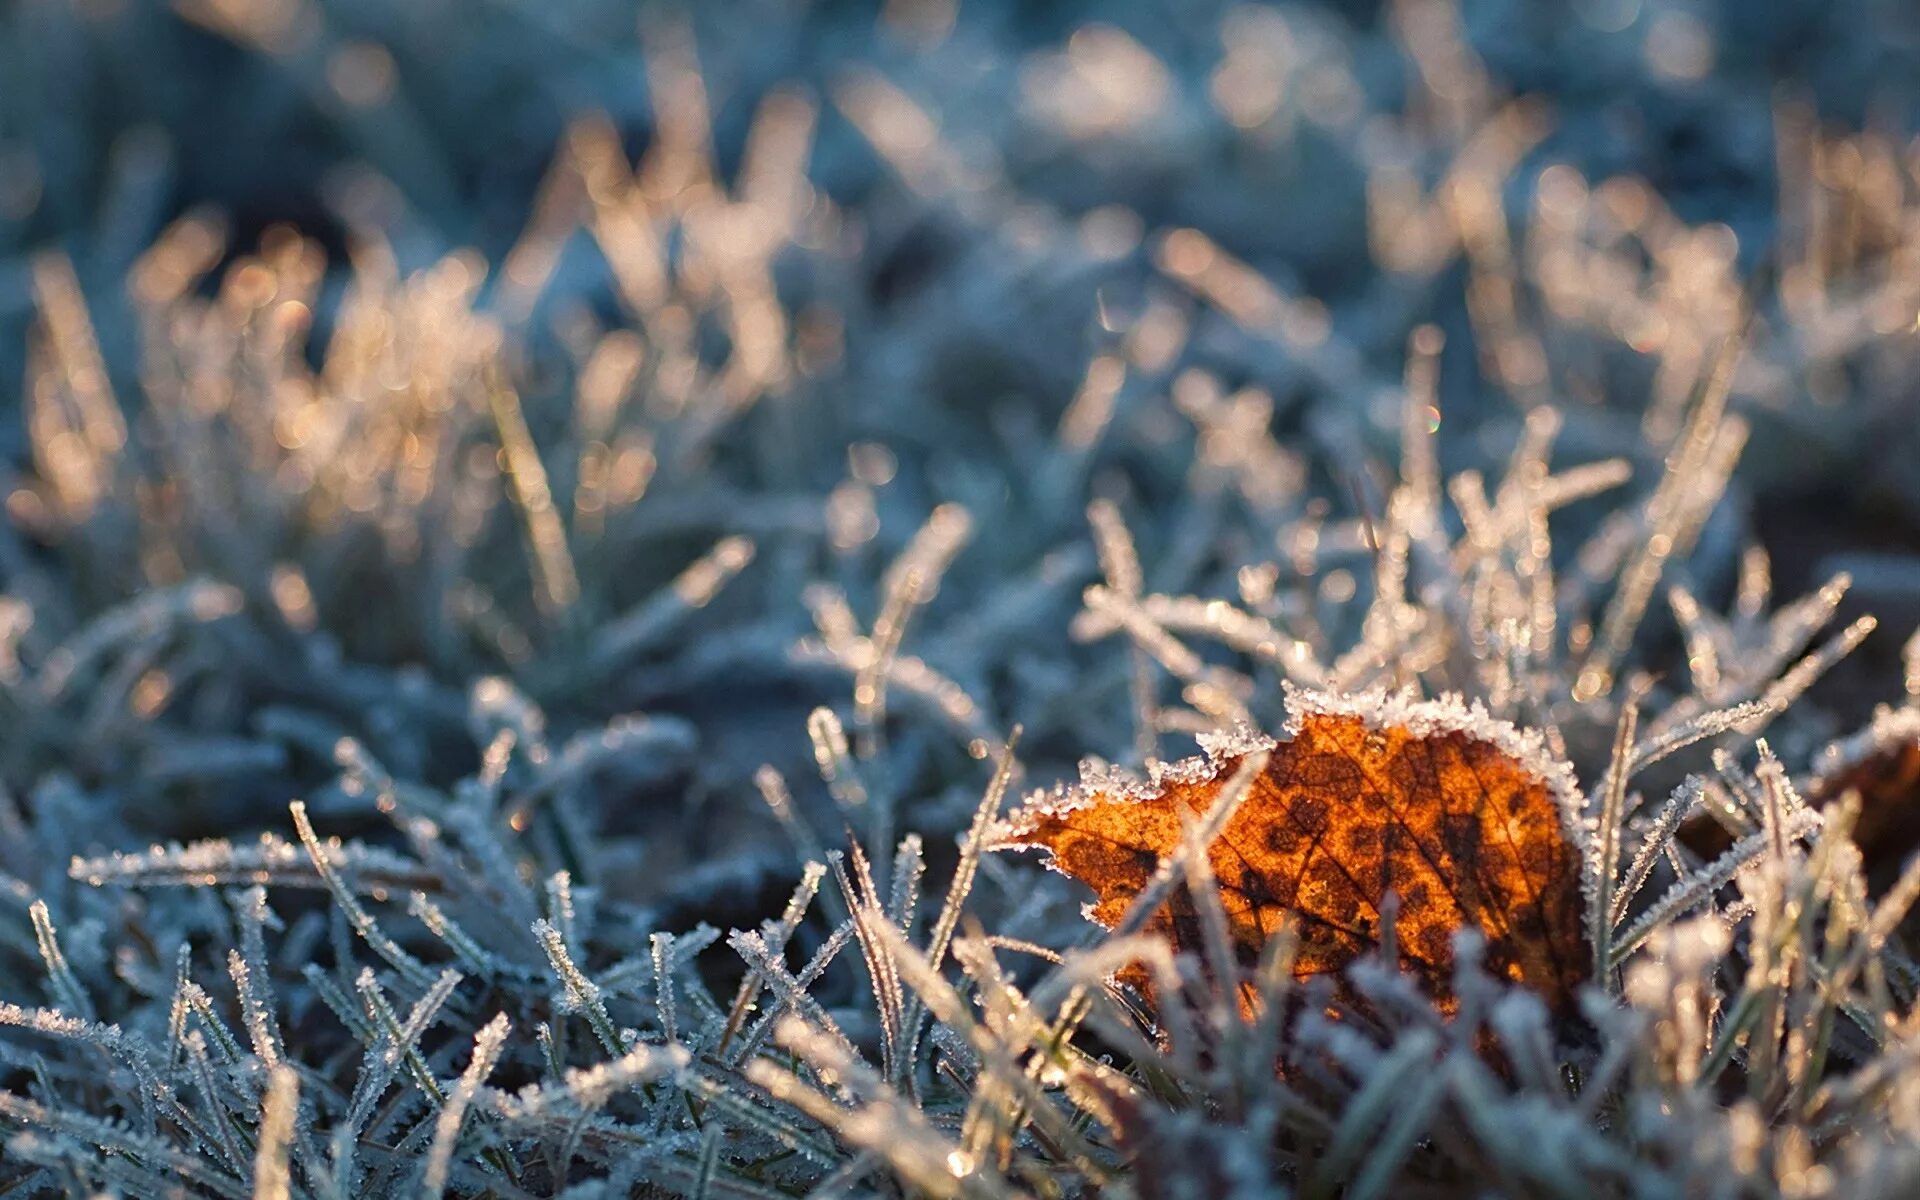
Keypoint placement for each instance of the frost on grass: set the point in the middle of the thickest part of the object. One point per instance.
(538, 730)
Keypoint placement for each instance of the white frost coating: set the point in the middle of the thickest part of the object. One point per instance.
(1162, 775)
(589, 1088)
(1890, 728)
(273, 860)
(1099, 778)
(1099, 775)
(55, 1023)
(1237, 742)
(1376, 708)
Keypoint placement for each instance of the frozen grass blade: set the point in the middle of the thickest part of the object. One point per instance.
(272, 1177)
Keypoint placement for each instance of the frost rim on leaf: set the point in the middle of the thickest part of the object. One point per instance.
(1376, 708)
(1890, 729)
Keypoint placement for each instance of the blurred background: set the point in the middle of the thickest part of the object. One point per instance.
(1264, 127)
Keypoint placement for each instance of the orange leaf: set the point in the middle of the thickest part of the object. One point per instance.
(1882, 764)
(1464, 818)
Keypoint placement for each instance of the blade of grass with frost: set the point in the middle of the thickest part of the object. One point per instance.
(1755, 1018)
(728, 1096)
(1272, 979)
(1793, 627)
(362, 922)
(633, 976)
(1671, 512)
(870, 925)
(1779, 800)
(487, 1046)
(615, 643)
(556, 578)
(1003, 1006)
(833, 618)
(1008, 1020)
(15, 837)
(994, 1112)
(1755, 654)
(1603, 856)
(478, 835)
(1120, 566)
(1582, 482)
(903, 899)
(476, 958)
(588, 1089)
(1884, 920)
(834, 757)
(908, 584)
(1699, 887)
(959, 887)
(273, 860)
(884, 1124)
(1216, 939)
(1813, 1012)
(1789, 687)
(1674, 738)
(1001, 620)
(61, 984)
(931, 690)
(1180, 1023)
(1112, 610)
(127, 1049)
(504, 719)
(1522, 1024)
(790, 990)
(76, 350)
(1842, 1101)
(1419, 422)
(216, 1025)
(630, 737)
(113, 1139)
(775, 936)
(661, 946)
(222, 1102)
(272, 1178)
(1384, 986)
(1742, 790)
(582, 994)
(1232, 793)
(1232, 626)
(151, 614)
(1512, 1129)
(1679, 806)
(396, 1043)
(841, 1180)
(708, 1164)
(842, 646)
(253, 981)
(178, 1008)
(1086, 969)
(1705, 639)
(773, 789)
